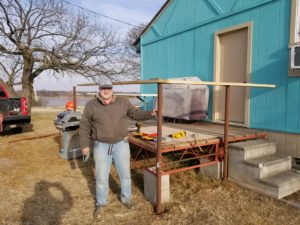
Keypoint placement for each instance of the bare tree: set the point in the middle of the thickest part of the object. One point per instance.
(132, 57)
(11, 70)
(49, 37)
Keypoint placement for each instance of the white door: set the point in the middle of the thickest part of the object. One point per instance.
(232, 65)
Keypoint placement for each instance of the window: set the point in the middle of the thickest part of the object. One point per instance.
(2, 93)
(294, 69)
(295, 22)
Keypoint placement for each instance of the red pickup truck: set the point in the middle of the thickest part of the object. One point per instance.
(13, 111)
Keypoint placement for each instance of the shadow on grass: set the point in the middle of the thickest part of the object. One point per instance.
(48, 204)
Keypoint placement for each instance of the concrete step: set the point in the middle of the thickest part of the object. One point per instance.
(254, 148)
(272, 186)
(269, 165)
(254, 165)
(285, 183)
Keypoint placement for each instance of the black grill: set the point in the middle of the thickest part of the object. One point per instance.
(67, 121)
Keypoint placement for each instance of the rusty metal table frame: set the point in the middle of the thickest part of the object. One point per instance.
(198, 149)
(160, 83)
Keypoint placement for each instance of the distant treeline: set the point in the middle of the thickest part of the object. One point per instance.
(47, 93)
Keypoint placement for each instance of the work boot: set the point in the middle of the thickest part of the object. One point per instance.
(97, 212)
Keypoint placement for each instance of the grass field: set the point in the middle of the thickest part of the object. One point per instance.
(38, 187)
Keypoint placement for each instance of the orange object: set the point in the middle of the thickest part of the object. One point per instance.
(69, 106)
(147, 138)
(137, 134)
(154, 135)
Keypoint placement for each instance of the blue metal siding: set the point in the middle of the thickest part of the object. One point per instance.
(185, 47)
(175, 59)
(270, 65)
(293, 104)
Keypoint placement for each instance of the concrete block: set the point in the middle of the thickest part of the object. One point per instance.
(150, 186)
(213, 171)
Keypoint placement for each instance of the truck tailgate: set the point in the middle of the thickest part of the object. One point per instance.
(12, 115)
(10, 105)
(16, 119)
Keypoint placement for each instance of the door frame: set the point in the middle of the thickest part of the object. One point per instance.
(217, 34)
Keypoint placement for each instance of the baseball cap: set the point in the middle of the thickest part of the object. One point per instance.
(105, 84)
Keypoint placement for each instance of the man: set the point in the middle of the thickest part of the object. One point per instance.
(105, 120)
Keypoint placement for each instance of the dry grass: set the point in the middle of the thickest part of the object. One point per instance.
(38, 187)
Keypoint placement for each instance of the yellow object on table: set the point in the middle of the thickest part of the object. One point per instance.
(179, 134)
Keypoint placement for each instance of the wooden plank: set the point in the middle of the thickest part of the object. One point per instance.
(167, 131)
(207, 130)
(172, 146)
(213, 132)
(167, 81)
(238, 134)
(191, 139)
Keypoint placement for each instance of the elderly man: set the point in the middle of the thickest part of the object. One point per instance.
(105, 120)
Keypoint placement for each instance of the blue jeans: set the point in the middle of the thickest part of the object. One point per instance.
(103, 155)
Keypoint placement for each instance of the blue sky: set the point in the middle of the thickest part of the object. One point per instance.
(130, 11)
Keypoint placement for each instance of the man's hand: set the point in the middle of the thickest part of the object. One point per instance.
(85, 151)
(85, 154)
(154, 112)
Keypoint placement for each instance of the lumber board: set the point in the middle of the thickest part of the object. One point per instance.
(169, 81)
